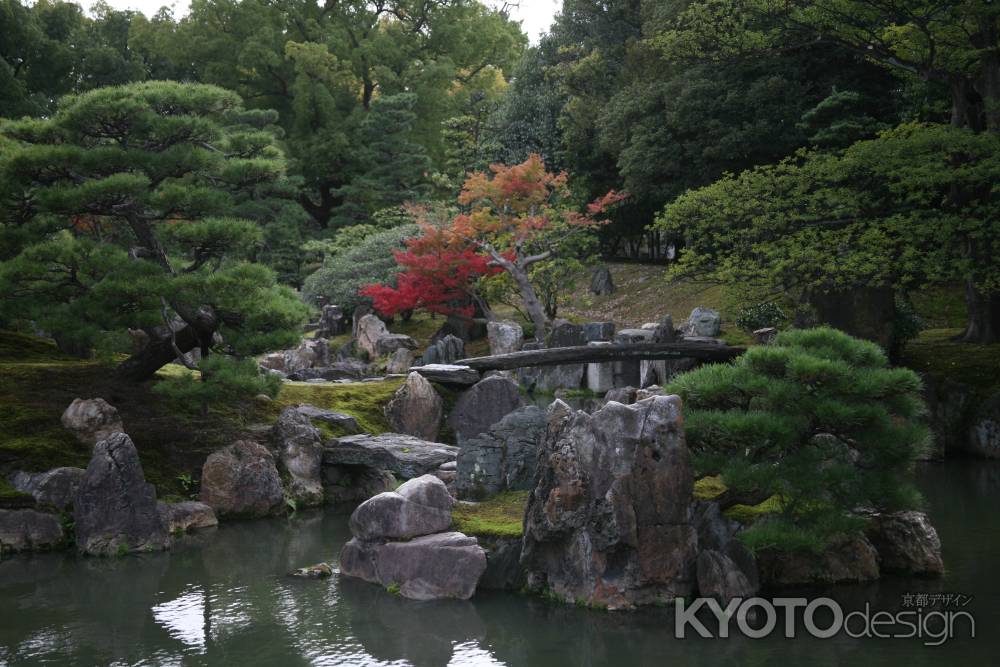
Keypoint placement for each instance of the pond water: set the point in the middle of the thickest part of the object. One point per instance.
(223, 597)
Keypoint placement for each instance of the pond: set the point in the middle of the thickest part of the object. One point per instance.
(224, 597)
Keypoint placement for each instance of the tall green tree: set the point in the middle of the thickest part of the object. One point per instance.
(118, 214)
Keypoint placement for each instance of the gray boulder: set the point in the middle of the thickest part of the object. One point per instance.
(483, 405)
(505, 336)
(609, 523)
(416, 409)
(445, 565)
(187, 515)
(399, 362)
(421, 506)
(446, 350)
(906, 542)
(726, 568)
(720, 578)
(242, 480)
(56, 488)
(299, 445)
(503, 458)
(335, 419)
(374, 338)
(311, 353)
(115, 509)
(703, 322)
(404, 455)
(567, 334)
(599, 331)
(29, 530)
(351, 485)
(623, 395)
(665, 331)
(601, 282)
(92, 420)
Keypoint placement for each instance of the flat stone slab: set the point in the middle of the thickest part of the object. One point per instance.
(449, 374)
(403, 455)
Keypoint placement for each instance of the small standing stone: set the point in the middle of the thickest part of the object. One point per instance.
(416, 409)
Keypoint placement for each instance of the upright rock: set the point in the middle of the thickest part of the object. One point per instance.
(331, 322)
(92, 420)
(416, 409)
(242, 480)
(505, 336)
(446, 350)
(609, 523)
(503, 458)
(483, 405)
(374, 338)
(601, 282)
(300, 447)
(115, 509)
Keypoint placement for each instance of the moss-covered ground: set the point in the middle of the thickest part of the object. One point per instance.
(499, 516)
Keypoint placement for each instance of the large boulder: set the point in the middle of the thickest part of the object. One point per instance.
(374, 338)
(416, 409)
(703, 322)
(503, 458)
(505, 336)
(447, 350)
(404, 455)
(421, 506)
(92, 420)
(56, 488)
(848, 560)
(609, 523)
(300, 447)
(567, 334)
(599, 331)
(242, 480)
(726, 568)
(483, 405)
(720, 578)
(115, 509)
(331, 322)
(187, 515)
(335, 419)
(29, 530)
(906, 542)
(445, 565)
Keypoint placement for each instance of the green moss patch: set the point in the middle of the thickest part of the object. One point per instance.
(709, 487)
(747, 514)
(364, 401)
(499, 516)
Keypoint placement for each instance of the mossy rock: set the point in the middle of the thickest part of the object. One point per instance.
(365, 401)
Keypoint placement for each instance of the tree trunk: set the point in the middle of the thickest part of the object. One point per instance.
(983, 324)
(160, 350)
(531, 302)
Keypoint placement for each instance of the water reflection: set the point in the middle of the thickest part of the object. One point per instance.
(224, 597)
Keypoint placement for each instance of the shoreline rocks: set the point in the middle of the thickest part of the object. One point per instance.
(29, 530)
(300, 448)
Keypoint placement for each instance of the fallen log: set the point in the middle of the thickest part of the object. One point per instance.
(581, 354)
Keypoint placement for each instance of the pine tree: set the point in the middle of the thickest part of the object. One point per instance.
(117, 214)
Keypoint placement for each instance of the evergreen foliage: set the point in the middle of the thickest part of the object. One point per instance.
(817, 420)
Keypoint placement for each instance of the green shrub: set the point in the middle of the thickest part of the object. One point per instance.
(369, 262)
(818, 421)
(223, 382)
(760, 315)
